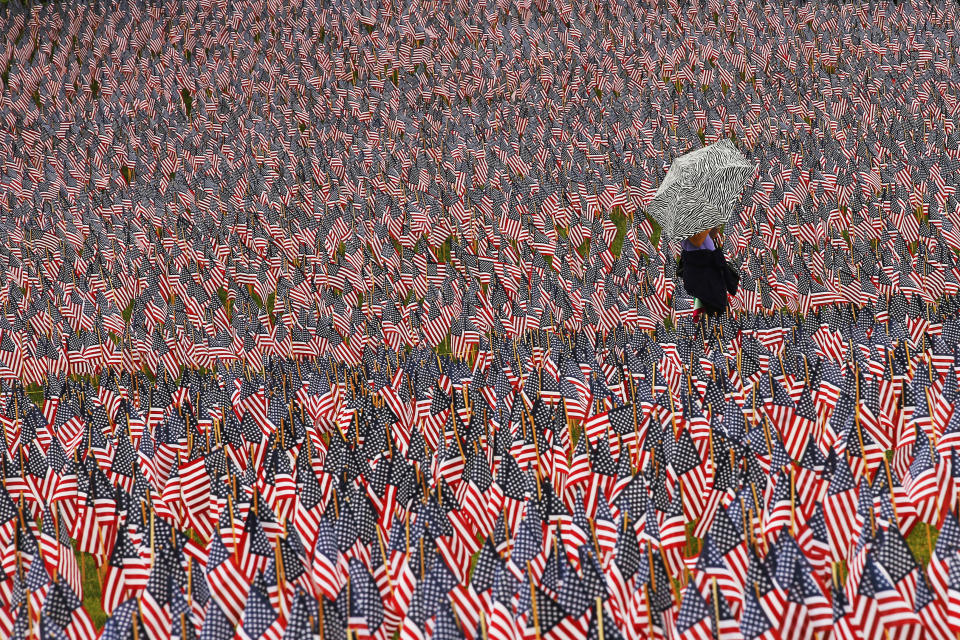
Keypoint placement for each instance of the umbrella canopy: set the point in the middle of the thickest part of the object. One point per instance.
(699, 190)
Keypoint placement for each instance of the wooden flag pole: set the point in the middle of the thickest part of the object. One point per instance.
(600, 618)
(137, 615)
(710, 437)
(716, 602)
(646, 597)
(653, 576)
(233, 529)
(280, 577)
(636, 427)
(386, 564)
(793, 510)
(533, 602)
(483, 626)
(766, 432)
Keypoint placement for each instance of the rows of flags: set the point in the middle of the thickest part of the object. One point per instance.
(195, 182)
(740, 478)
(345, 320)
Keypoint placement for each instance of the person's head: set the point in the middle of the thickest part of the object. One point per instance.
(698, 238)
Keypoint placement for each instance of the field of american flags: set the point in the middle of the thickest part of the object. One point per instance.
(346, 320)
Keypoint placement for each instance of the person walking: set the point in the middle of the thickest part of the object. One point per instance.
(705, 273)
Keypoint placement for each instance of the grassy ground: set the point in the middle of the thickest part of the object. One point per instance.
(921, 541)
(91, 588)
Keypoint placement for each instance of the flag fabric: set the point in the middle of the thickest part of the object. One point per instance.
(316, 322)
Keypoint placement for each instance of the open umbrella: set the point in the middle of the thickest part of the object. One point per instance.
(699, 190)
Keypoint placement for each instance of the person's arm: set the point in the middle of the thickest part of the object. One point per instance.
(716, 239)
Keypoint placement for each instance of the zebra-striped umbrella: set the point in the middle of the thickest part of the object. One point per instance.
(700, 189)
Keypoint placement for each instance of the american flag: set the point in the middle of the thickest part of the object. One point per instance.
(284, 278)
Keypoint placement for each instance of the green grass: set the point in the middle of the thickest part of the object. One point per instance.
(620, 220)
(35, 392)
(655, 236)
(919, 543)
(693, 542)
(91, 588)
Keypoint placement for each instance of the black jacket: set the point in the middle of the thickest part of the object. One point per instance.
(707, 276)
